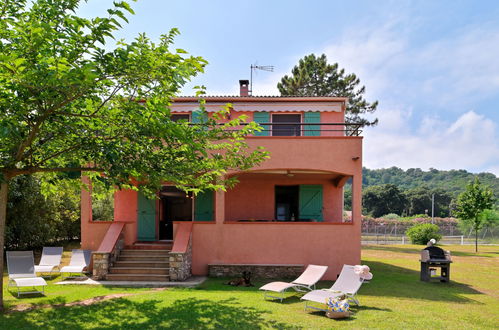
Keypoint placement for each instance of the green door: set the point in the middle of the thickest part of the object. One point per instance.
(312, 118)
(311, 202)
(203, 206)
(199, 117)
(262, 117)
(146, 218)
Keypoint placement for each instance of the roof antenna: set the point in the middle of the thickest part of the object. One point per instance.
(269, 68)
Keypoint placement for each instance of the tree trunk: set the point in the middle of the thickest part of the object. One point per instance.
(476, 240)
(4, 193)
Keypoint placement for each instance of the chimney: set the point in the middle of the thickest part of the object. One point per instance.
(244, 88)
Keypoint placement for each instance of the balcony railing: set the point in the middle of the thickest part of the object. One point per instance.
(311, 129)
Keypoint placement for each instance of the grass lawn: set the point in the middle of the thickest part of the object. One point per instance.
(395, 298)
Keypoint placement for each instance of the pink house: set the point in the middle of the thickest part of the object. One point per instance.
(284, 214)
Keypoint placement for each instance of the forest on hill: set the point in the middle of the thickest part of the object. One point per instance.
(410, 192)
(453, 181)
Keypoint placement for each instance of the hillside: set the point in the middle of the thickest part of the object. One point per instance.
(453, 181)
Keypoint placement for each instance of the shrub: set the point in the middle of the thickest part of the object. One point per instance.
(391, 216)
(422, 233)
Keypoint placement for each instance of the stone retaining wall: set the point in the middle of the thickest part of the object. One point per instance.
(180, 264)
(257, 270)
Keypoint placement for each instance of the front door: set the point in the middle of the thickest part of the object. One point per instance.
(146, 218)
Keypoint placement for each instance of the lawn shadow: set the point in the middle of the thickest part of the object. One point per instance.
(189, 313)
(395, 281)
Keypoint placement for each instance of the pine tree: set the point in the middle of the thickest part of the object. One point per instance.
(313, 76)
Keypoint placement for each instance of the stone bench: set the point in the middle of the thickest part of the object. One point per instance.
(257, 270)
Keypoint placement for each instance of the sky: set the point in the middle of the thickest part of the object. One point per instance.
(432, 65)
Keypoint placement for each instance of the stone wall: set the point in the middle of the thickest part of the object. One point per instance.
(180, 264)
(257, 270)
(103, 260)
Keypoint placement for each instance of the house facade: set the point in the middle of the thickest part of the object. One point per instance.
(289, 210)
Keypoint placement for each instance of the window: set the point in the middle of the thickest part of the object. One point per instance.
(288, 125)
(177, 117)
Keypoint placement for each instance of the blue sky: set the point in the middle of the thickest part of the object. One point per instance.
(432, 65)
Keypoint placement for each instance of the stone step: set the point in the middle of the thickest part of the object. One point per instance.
(148, 246)
(138, 277)
(145, 258)
(145, 252)
(137, 271)
(146, 264)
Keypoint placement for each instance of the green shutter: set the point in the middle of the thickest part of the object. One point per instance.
(312, 118)
(311, 202)
(262, 117)
(199, 117)
(146, 218)
(203, 206)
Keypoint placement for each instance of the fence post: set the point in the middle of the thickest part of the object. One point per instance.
(462, 239)
(403, 240)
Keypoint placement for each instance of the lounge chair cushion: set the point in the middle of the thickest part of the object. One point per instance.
(29, 281)
(44, 268)
(72, 269)
(277, 286)
(321, 296)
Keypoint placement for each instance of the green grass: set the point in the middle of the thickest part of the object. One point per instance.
(395, 298)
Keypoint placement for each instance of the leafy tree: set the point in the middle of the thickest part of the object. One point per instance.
(35, 218)
(383, 199)
(419, 201)
(471, 203)
(313, 76)
(70, 104)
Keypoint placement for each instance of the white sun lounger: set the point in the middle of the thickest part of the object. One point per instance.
(21, 269)
(348, 283)
(49, 263)
(305, 282)
(80, 260)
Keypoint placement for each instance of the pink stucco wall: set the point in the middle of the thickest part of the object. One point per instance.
(271, 243)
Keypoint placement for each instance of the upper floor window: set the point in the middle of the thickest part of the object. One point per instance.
(177, 117)
(287, 125)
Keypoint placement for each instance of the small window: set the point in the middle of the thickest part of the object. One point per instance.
(287, 125)
(177, 117)
(102, 204)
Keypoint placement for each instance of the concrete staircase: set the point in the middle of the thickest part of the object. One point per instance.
(142, 262)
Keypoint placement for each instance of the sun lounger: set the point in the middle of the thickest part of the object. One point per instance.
(348, 283)
(305, 282)
(80, 260)
(49, 263)
(21, 269)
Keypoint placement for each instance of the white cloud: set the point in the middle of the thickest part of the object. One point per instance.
(470, 142)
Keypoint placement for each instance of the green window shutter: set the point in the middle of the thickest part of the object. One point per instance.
(199, 117)
(262, 117)
(311, 202)
(146, 218)
(312, 118)
(203, 206)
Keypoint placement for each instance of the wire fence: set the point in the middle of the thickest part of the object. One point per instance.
(394, 233)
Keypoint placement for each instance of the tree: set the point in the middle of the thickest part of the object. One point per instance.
(383, 199)
(419, 201)
(68, 104)
(471, 203)
(313, 76)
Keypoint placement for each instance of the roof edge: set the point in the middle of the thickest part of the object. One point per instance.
(231, 99)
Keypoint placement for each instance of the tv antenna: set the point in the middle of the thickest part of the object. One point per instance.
(253, 67)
